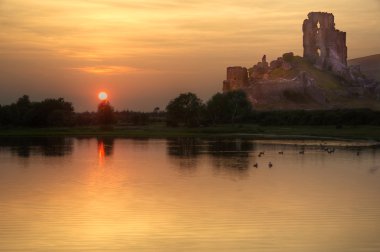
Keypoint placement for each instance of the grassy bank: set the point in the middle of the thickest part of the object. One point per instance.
(246, 130)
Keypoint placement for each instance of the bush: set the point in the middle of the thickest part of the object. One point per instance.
(186, 108)
(229, 107)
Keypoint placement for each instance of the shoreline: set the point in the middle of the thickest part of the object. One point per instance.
(363, 132)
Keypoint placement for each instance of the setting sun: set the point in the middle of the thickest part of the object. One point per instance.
(103, 96)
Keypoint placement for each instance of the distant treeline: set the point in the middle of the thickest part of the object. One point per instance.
(47, 113)
(125, 117)
(185, 110)
(60, 113)
(234, 107)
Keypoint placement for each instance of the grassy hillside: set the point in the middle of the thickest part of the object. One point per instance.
(332, 88)
(370, 65)
(324, 79)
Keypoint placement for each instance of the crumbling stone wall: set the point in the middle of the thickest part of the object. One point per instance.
(259, 71)
(324, 45)
(272, 91)
(237, 78)
(240, 77)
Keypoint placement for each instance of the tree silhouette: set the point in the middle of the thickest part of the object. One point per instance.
(229, 107)
(105, 114)
(186, 108)
(49, 112)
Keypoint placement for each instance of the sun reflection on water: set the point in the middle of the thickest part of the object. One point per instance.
(101, 152)
(105, 149)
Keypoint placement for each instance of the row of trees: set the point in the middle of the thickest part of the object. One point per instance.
(49, 112)
(189, 110)
(186, 109)
(106, 116)
(60, 113)
(234, 107)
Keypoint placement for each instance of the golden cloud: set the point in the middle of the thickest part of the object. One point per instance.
(107, 69)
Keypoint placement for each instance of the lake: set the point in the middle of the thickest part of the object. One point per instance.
(188, 194)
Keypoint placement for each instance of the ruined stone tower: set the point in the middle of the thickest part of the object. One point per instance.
(324, 45)
(237, 78)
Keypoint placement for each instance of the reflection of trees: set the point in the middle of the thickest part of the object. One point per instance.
(184, 147)
(57, 146)
(233, 165)
(46, 146)
(229, 147)
(231, 156)
(185, 151)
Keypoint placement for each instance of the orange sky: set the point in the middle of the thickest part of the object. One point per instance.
(145, 52)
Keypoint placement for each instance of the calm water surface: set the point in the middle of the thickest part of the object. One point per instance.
(68, 194)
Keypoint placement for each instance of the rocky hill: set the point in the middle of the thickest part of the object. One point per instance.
(321, 79)
(295, 83)
(369, 65)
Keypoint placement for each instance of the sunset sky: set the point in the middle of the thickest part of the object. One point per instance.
(145, 52)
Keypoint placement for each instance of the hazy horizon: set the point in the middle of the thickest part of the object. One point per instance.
(143, 53)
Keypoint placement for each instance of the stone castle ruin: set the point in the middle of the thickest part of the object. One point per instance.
(324, 45)
(324, 49)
